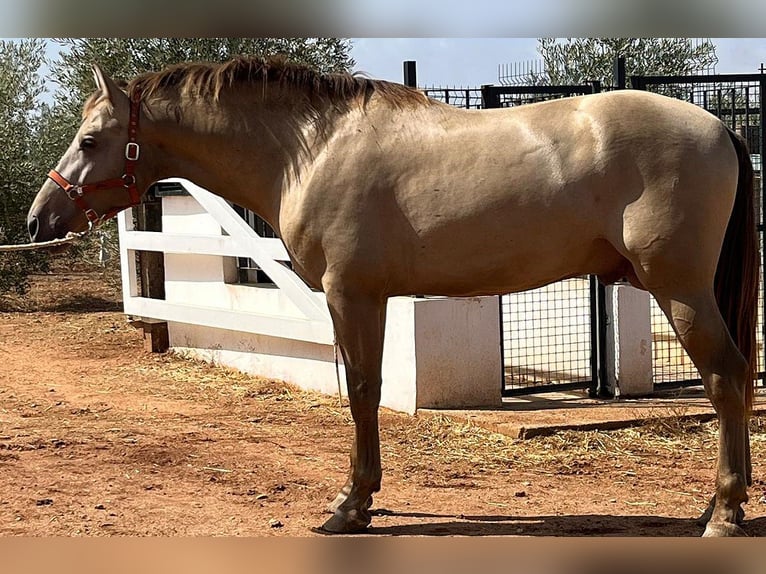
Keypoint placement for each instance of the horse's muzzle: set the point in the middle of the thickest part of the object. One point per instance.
(33, 224)
(42, 228)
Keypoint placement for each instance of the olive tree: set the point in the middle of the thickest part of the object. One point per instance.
(21, 158)
(580, 60)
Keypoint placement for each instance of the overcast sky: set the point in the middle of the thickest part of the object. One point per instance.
(471, 62)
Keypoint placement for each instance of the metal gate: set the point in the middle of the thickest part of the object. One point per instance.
(552, 337)
(737, 99)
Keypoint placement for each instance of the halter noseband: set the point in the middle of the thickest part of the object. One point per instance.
(77, 193)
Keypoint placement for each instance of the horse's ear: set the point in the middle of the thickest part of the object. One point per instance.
(107, 86)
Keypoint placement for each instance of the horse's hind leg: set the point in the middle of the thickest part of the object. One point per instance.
(359, 324)
(703, 333)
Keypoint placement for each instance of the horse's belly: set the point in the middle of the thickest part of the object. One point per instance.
(481, 265)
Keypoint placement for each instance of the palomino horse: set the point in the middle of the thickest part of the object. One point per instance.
(378, 191)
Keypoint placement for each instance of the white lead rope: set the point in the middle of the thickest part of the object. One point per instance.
(70, 237)
(337, 367)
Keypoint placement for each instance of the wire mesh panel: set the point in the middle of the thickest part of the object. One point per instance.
(736, 100)
(547, 337)
(469, 98)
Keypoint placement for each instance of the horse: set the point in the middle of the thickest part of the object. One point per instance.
(378, 191)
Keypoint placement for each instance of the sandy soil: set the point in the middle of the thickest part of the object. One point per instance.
(98, 437)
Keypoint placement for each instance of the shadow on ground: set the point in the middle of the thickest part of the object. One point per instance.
(566, 525)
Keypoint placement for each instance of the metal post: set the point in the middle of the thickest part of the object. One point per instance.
(410, 74)
(598, 320)
(502, 347)
(746, 131)
(489, 97)
(719, 103)
(762, 120)
(620, 79)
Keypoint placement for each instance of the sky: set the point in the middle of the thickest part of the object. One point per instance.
(471, 62)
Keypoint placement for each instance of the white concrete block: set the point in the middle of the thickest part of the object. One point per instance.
(630, 341)
(458, 352)
(438, 352)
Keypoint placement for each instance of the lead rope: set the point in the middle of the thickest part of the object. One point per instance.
(69, 238)
(337, 368)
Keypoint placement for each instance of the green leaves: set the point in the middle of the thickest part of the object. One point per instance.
(580, 60)
(21, 158)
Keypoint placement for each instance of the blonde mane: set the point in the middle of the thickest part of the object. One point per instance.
(206, 80)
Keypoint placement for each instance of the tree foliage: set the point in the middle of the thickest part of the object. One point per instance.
(21, 158)
(35, 132)
(580, 60)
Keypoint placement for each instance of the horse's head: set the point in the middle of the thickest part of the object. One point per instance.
(95, 177)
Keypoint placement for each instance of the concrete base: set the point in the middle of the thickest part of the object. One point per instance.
(544, 415)
(438, 353)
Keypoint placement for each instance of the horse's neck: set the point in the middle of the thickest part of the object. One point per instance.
(243, 154)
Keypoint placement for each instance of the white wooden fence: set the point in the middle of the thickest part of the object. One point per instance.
(240, 241)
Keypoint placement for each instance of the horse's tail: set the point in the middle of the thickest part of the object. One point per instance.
(736, 278)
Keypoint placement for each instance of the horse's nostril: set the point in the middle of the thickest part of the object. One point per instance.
(34, 226)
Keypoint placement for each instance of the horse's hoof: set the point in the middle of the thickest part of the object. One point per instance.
(348, 522)
(722, 529)
(708, 514)
(333, 507)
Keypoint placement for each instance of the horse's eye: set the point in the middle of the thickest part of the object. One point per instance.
(88, 142)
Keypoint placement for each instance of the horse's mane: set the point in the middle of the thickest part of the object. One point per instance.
(206, 80)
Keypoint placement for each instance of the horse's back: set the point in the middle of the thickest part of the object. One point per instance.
(459, 202)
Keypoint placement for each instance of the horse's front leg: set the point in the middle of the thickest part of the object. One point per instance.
(359, 325)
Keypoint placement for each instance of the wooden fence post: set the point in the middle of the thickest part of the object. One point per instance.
(151, 265)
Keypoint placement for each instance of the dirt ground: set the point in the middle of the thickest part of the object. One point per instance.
(100, 438)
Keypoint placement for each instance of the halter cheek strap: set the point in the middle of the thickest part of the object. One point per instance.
(78, 193)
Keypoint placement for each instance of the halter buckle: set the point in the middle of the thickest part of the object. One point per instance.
(132, 151)
(93, 217)
(74, 192)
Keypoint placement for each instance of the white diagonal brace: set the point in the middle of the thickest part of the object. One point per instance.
(244, 235)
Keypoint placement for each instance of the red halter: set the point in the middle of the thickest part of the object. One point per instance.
(77, 193)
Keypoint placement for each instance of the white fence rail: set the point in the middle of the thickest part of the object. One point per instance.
(241, 241)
